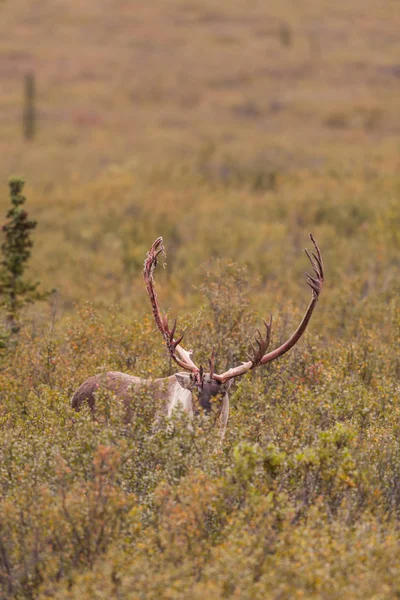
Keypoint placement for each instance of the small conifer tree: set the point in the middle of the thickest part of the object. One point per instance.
(15, 291)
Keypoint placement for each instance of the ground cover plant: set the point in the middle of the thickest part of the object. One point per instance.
(301, 499)
(233, 132)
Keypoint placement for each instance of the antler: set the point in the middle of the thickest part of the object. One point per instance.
(258, 356)
(262, 343)
(181, 356)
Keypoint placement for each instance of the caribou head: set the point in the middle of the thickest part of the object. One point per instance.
(195, 389)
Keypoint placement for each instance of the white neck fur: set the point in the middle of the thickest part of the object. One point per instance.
(183, 397)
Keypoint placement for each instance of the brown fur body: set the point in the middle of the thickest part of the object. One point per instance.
(121, 385)
(171, 391)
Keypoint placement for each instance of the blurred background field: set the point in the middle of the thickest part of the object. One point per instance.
(200, 118)
(232, 130)
(284, 84)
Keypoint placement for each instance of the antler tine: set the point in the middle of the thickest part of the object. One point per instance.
(178, 354)
(315, 259)
(314, 264)
(258, 356)
(178, 341)
(172, 332)
(262, 343)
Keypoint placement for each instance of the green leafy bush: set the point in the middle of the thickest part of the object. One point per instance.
(301, 499)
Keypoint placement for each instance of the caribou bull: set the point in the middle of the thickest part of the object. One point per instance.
(194, 389)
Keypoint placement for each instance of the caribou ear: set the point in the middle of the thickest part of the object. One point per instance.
(184, 380)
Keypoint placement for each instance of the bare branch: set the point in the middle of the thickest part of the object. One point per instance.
(211, 363)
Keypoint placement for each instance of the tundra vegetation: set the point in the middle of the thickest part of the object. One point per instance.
(303, 495)
(302, 498)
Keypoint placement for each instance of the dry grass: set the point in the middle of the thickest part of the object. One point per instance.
(281, 83)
